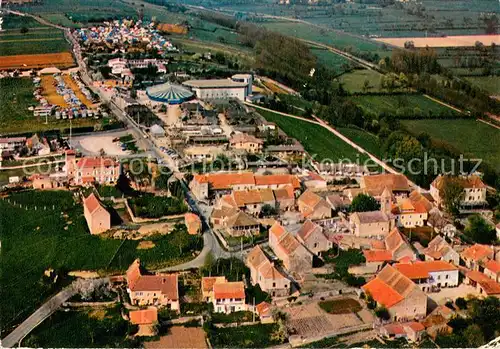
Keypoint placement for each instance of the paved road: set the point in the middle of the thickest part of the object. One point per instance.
(322, 123)
(47, 309)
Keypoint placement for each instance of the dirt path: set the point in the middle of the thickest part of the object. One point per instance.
(488, 123)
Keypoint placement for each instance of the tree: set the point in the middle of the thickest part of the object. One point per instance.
(366, 85)
(474, 336)
(479, 230)
(461, 303)
(133, 93)
(180, 239)
(452, 192)
(24, 30)
(382, 313)
(161, 182)
(364, 203)
(268, 210)
(281, 333)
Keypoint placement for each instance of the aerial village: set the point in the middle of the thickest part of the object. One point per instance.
(259, 232)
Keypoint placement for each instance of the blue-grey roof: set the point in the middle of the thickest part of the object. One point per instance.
(169, 93)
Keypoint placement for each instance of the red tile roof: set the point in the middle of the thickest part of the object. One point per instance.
(92, 203)
(144, 317)
(307, 229)
(284, 193)
(278, 179)
(167, 284)
(415, 326)
(489, 286)
(494, 266)
(226, 180)
(277, 230)
(472, 181)
(376, 184)
(382, 293)
(95, 162)
(421, 270)
(377, 255)
(208, 282)
(245, 138)
(193, 223)
(229, 290)
(263, 309)
(477, 252)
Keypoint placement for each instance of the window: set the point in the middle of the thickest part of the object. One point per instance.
(274, 284)
(447, 276)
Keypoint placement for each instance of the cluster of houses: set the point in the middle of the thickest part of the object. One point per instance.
(126, 33)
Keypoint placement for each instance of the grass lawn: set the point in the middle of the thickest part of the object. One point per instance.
(18, 22)
(340, 306)
(355, 80)
(254, 336)
(239, 316)
(490, 84)
(83, 329)
(315, 139)
(473, 138)
(331, 60)
(406, 105)
(35, 240)
(362, 138)
(16, 96)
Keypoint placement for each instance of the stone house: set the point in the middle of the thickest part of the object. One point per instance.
(311, 235)
(229, 297)
(440, 250)
(264, 273)
(402, 297)
(247, 143)
(313, 206)
(97, 217)
(430, 275)
(483, 284)
(284, 198)
(492, 270)
(88, 170)
(207, 286)
(373, 224)
(476, 256)
(296, 258)
(474, 192)
(156, 289)
(413, 211)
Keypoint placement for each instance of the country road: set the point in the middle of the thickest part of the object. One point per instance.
(323, 124)
(47, 309)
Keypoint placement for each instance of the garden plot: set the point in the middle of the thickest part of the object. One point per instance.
(310, 320)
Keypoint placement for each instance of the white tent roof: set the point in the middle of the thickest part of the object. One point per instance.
(51, 70)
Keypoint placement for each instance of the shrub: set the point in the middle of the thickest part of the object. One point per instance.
(382, 313)
(461, 303)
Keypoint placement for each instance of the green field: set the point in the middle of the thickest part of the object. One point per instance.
(331, 60)
(403, 105)
(318, 141)
(475, 139)
(490, 84)
(37, 40)
(354, 81)
(343, 41)
(35, 240)
(78, 329)
(362, 138)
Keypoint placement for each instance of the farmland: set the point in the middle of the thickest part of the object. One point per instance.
(59, 60)
(403, 105)
(59, 239)
(472, 138)
(32, 39)
(354, 81)
(490, 84)
(450, 41)
(315, 139)
(331, 60)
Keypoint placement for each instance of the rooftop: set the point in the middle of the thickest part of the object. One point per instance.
(144, 317)
(422, 270)
(376, 184)
(371, 217)
(229, 290)
(477, 252)
(92, 203)
(215, 83)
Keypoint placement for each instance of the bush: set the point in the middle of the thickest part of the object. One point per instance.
(382, 313)
(461, 303)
